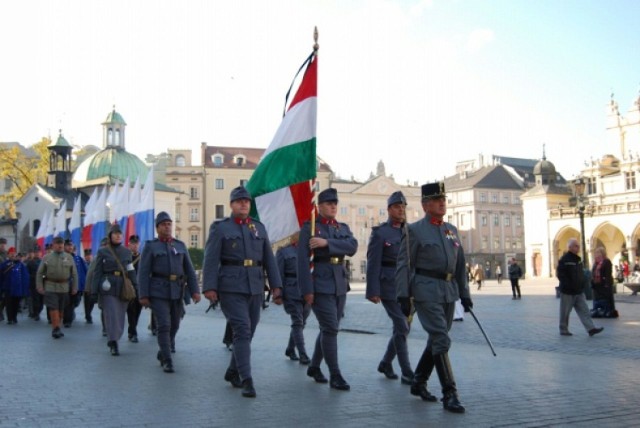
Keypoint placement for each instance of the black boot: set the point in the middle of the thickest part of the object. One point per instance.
(247, 388)
(421, 376)
(167, 365)
(233, 377)
(113, 348)
(450, 400)
(338, 382)
(291, 353)
(304, 359)
(316, 374)
(387, 370)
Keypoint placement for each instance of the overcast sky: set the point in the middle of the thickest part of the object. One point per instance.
(419, 84)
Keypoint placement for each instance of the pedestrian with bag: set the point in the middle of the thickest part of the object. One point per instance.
(113, 275)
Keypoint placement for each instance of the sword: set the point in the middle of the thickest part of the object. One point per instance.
(483, 333)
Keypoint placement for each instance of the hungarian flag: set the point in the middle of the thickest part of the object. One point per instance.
(281, 184)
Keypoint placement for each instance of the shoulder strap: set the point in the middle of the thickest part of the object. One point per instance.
(124, 272)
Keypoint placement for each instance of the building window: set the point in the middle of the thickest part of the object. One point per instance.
(193, 214)
(178, 212)
(485, 243)
(591, 186)
(518, 220)
(461, 219)
(507, 220)
(505, 199)
(218, 160)
(194, 240)
(494, 198)
(382, 212)
(239, 160)
(496, 220)
(483, 197)
(243, 182)
(363, 267)
(516, 200)
(362, 211)
(507, 243)
(180, 160)
(630, 180)
(344, 210)
(194, 192)
(496, 244)
(450, 219)
(219, 183)
(219, 211)
(483, 220)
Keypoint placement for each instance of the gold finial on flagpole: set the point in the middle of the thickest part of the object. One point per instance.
(316, 46)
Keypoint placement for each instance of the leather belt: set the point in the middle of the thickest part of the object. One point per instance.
(169, 277)
(388, 264)
(330, 260)
(114, 273)
(245, 262)
(434, 274)
(57, 281)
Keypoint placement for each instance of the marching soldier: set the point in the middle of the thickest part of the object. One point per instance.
(165, 265)
(135, 308)
(326, 289)
(237, 254)
(432, 271)
(88, 301)
(382, 254)
(56, 275)
(294, 304)
(37, 303)
(14, 282)
(69, 313)
(112, 262)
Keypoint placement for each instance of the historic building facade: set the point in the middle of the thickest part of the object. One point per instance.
(610, 202)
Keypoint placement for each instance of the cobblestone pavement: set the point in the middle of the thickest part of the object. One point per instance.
(538, 378)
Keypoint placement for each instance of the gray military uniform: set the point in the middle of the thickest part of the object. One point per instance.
(237, 255)
(435, 276)
(328, 284)
(164, 269)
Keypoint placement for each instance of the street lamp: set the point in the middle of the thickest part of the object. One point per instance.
(579, 186)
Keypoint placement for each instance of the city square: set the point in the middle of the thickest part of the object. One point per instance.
(538, 379)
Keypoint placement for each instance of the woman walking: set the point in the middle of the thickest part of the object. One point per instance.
(113, 261)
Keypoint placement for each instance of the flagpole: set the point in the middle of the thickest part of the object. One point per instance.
(312, 182)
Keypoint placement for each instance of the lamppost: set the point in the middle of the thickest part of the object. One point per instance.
(579, 185)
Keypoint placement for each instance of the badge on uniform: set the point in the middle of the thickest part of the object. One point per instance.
(387, 243)
(451, 236)
(252, 228)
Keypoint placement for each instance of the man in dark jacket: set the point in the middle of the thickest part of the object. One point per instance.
(570, 272)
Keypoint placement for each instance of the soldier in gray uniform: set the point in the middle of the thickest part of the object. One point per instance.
(326, 288)
(236, 256)
(294, 304)
(382, 254)
(56, 274)
(432, 271)
(164, 267)
(112, 262)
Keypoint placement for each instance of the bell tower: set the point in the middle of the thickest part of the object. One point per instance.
(59, 175)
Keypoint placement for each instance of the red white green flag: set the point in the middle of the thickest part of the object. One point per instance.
(280, 185)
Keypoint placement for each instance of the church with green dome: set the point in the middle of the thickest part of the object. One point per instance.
(113, 163)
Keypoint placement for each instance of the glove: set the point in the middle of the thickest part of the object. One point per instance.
(467, 304)
(405, 305)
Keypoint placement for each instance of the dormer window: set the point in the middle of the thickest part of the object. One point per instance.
(180, 160)
(217, 159)
(239, 160)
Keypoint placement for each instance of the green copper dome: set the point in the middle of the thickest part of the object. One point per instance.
(61, 142)
(114, 117)
(112, 162)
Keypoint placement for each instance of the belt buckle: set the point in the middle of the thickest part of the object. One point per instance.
(449, 277)
(173, 277)
(116, 273)
(334, 260)
(248, 263)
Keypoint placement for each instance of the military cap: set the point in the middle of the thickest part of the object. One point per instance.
(21, 255)
(47, 246)
(162, 216)
(239, 193)
(115, 228)
(58, 240)
(328, 195)
(87, 252)
(104, 241)
(3, 241)
(134, 239)
(68, 242)
(36, 248)
(433, 190)
(11, 250)
(396, 198)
